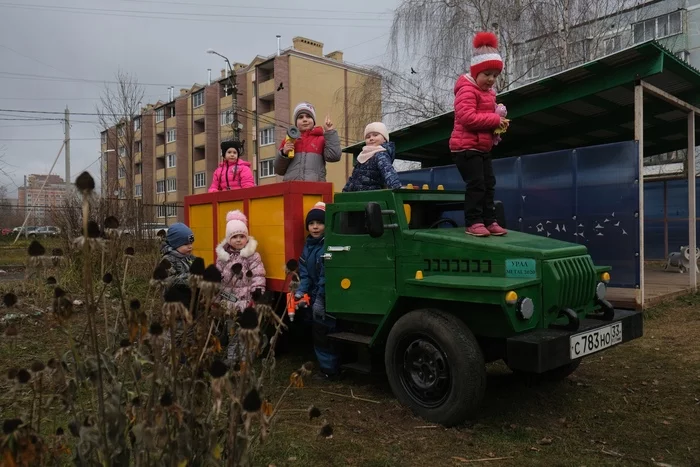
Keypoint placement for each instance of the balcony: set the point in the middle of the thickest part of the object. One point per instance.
(160, 150)
(266, 88)
(265, 152)
(200, 140)
(200, 166)
(267, 119)
(198, 113)
(160, 174)
(160, 128)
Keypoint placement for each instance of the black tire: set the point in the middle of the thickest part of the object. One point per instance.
(550, 376)
(446, 381)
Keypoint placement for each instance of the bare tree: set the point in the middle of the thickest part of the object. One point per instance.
(119, 106)
(432, 40)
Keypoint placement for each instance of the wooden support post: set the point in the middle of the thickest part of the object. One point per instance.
(639, 136)
(692, 218)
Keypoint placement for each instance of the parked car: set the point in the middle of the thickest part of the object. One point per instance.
(45, 231)
(26, 230)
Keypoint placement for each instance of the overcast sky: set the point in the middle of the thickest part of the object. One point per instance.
(56, 56)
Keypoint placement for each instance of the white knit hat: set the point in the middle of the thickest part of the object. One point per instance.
(236, 224)
(377, 127)
(304, 107)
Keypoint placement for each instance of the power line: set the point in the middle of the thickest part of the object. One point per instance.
(188, 16)
(28, 76)
(258, 8)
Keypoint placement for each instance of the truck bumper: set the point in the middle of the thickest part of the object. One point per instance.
(545, 349)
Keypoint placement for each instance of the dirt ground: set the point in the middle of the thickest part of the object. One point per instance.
(635, 404)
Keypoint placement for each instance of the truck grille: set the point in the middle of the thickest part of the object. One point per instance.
(576, 279)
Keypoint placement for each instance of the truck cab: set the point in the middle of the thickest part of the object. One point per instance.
(406, 283)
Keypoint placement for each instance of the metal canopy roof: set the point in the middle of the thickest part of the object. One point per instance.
(583, 106)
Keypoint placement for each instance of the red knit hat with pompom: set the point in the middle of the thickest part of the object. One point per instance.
(485, 55)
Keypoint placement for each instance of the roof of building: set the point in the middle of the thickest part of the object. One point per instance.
(583, 106)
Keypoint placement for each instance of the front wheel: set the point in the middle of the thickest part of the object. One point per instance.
(435, 366)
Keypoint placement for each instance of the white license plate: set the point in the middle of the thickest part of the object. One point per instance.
(597, 339)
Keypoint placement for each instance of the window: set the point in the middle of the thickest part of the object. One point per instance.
(226, 117)
(164, 210)
(553, 58)
(267, 168)
(267, 136)
(121, 131)
(172, 185)
(122, 172)
(171, 112)
(200, 180)
(611, 45)
(137, 123)
(137, 146)
(160, 115)
(198, 99)
(122, 151)
(170, 136)
(350, 223)
(160, 186)
(532, 67)
(103, 137)
(138, 190)
(662, 26)
(170, 161)
(138, 168)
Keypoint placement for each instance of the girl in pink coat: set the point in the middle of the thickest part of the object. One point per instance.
(241, 267)
(476, 121)
(242, 272)
(233, 173)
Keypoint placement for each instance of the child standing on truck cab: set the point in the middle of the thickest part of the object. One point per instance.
(374, 169)
(242, 270)
(232, 173)
(313, 282)
(473, 135)
(312, 149)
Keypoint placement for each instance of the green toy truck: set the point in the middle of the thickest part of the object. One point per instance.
(406, 283)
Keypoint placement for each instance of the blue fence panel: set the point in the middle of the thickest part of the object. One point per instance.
(588, 196)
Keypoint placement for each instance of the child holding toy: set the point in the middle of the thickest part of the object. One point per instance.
(242, 269)
(475, 129)
(313, 282)
(232, 173)
(312, 149)
(374, 169)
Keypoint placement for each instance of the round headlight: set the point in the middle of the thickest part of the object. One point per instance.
(525, 308)
(600, 290)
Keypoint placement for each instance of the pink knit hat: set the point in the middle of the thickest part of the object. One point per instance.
(485, 55)
(236, 224)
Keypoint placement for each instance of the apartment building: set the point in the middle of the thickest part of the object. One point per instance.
(607, 27)
(176, 143)
(41, 203)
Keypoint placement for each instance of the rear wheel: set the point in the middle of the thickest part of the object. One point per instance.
(435, 366)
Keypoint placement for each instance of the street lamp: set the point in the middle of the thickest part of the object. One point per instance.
(234, 96)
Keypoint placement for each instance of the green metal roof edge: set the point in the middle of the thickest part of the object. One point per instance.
(680, 67)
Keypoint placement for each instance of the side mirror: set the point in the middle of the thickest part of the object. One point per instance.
(373, 220)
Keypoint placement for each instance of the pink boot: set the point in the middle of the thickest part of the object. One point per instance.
(496, 229)
(478, 230)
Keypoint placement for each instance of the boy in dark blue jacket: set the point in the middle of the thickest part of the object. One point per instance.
(313, 282)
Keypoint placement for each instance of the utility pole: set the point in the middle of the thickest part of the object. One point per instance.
(234, 97)
(66, 122)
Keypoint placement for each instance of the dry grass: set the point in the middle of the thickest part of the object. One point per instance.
(636, 404)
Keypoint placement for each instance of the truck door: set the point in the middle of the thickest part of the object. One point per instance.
(360, 270)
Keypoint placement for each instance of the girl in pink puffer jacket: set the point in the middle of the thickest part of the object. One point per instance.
(241, 267)
(242, 272)
(477, 126)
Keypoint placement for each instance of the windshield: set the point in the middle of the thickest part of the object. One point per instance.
(423, 214)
